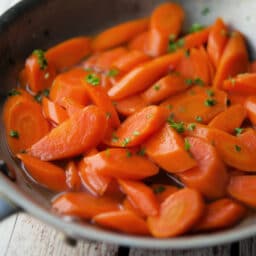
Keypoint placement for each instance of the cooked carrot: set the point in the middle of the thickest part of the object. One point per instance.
(138, 43)
(166, 20)
(217, 41)
(72, 137)
(142, 77)
(72, 176)
(198, 104)
(229, 119)
(44, 173)
(23, 79)
(164, 88)
(107, 81)
(120, 163)
(83, 205)
(138, 127)
(163, 191)
(237, 98)
(53, 111)
(24, 121)
(250, 106)
(127, 205)
(91, 152)
(71, 106)
(140, 195)
(69, 52)
(248, 138)
(119, 34)
(210, 176)
(221, 214)
(243, 188)
(178, 214)
(234, 60)
(124, 221)
(252, 67)
(167, 149)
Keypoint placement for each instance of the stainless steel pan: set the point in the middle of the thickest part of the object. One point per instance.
(41, 23)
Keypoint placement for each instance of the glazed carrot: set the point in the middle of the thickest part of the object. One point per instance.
(24, 121)
(210, 177)
(107, 80)
(119, 34)
(237, 98)
(243, 189)
(72, 137)
(221, 214)
(40, 73)
(164, 88)
(172, 157)
(72, 176)
(83, 205)
(252, 67)
(178, 213)
(71, 106)
(142, 77)
(250, 106)
(44, 173)
(217, 41)
(120, 163)
(234, 60)
(138, 127)
(53, 111)
(198, 104)
(248, 138)
(165, 20)
(124, 221)
(127, 205)
(138, 43)
(69, 52)
(229, 119)
(140, 195)
(69, 85)
(23, 79)
(163, 191)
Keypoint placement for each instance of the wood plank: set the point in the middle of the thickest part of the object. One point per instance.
(247, 247)
(31, 237)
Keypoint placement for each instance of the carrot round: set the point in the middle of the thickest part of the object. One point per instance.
(178, 213)
(71, 106)
(163, 191)
(138, 43)
(248, 138)
(73, 179)
(127, 205)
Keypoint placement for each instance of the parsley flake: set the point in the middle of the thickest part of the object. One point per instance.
(187, 145)
(205, 11)
(159, 189)
(191, 127)
(41, 59)
(199, 119)
(179, 127)
(141, 152)
(113, 72)
(157, 87)
(196, 27)
(238, 131)
(210, 102)
(237, 148)
(129, 154)
(92, 79)
(187, 53)
(198, 81)
(189, 81)
(210, 92)
(114, 137)
(173, 46)
(13, 92)
(126, 141)
(14, 134)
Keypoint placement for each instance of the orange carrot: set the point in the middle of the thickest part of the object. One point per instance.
(71, 106)
(250, 106)
(72, 137)
(124, 221)
(252, 67)
(119, 34)
(44, 173)
(172, 157)
(237, 98)
(248, 139)
(178, 214)
(69, 52)
(23, 79)
(127, 205)
(163, 191)
(72, 177)
(138, 43)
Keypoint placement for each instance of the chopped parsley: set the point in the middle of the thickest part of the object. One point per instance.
(92, 79)
(14, 92)
(129, 154)
(114, 137)
(159, 189)
(191, 127)
(198, 81)
(41, 59)
(113, 72)
(189, 81)
(187, 145)
(199, 119)
(210, 102)
(170, 106)
(14, 134)
(39, 96)
(238, 131)
(157, 87)
(237, 148)
(141, 152)
(196, 27)
(205, 11)
(173, 46)
(179, 127)
(126, 141)
(210, 92)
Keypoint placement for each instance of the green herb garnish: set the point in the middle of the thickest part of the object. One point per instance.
(205, 11)
(198, 81)
(159, 189)
(13, 92)
(114, 138)
(92, 79)
(195, 28)
(191, 127)
(210, 102)
(126, 141)
(14, 134)
(157, 87)
(199, 119)
(210, 92)
(238, 131)
(141, 152)
(41, 59)
(187, 145)
(189, 81)
(113, 72)
(237, 148)
(129, 154)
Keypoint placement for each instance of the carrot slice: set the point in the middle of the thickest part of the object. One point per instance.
(248, 138)
(127, 205)
(221, 214)
(243, 188)
(210, 177)
(237, 98)
(83, 205)
(71, 106)
(72, 176)
(229, 119)
(234, 60)
(139, 42)
(140, 195)
(69, 52)
(165, 20)
(178, 213)
(252, 67)
(44, 173)
(138, 127)
(124, 221)
(167, 149)
(72, 137)
(163, 191)
(119, 34)
(164, 88)
(250, 106)
(120, 163)
(142, 77)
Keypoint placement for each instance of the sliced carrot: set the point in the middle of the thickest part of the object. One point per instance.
(243, 188)
(127, 205)
(83, 205)
(248, 138)
(23, 79)
(138, 43)
(167, 149)
(107, 81)
(44, 173)
(140, 195)
(124, 221)
(234, 60)
(138, 127)
(229, 119)
(217, 41)
(71, 106)
(210, 177)
(69, 52)
(91, 152)
(163, 191)
(120, 163)
(72, 176)
(250, 106)
(164, 88)
(165, 20)
(252, 67)
(237, 98)
(221, 214)
(72, 137)
(119, 34)
(142, 77)
(178, 214)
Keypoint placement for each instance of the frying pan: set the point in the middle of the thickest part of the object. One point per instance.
(35, 24)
